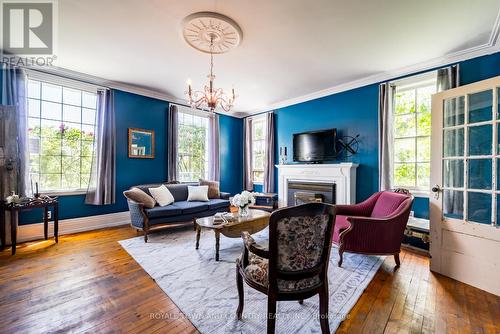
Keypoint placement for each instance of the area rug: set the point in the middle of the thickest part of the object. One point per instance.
(205, 290)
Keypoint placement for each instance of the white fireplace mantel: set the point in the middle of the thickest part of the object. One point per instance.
(342, 174)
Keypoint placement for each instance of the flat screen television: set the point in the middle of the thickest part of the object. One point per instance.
(315, 146)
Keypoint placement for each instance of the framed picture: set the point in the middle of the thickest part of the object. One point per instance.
(141, 143)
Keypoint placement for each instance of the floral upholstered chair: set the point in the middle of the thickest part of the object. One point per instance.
(295, 265)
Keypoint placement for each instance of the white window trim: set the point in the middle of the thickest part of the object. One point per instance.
(198, 113)
(261, 117)
(69, 83)
(401, 85)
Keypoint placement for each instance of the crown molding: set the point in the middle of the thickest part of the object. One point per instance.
(492, 46)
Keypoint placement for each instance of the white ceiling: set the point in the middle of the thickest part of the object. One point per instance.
(290, 48)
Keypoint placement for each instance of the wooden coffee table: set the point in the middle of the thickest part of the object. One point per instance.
(256, 221)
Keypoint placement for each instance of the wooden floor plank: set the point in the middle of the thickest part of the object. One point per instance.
(88, 283)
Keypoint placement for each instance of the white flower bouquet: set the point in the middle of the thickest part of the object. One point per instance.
(242, 201)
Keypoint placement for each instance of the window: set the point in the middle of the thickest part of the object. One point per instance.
(412, 130)
(258, 148)
(192, 147)
(61, 128)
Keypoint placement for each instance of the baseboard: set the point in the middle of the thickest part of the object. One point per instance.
(74, 225)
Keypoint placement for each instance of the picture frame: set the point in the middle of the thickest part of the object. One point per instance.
(141, 143)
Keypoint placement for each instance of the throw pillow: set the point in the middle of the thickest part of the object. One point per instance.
(162, 195)
(213, 188)
(139, 196)
(197, 193)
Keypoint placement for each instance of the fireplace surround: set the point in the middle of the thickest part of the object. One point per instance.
(341, 175)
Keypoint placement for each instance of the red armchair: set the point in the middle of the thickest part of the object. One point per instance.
(375, 226)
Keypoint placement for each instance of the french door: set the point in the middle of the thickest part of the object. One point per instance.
(465, 174)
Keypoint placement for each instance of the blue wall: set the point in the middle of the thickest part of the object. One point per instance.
(352, 112)
(136, 111)
(231, 154)
(356, 111)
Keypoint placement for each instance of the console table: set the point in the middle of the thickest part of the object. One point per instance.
(32, 203)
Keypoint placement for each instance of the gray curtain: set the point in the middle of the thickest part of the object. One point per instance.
(213, 152)
(247, 154)
(448, 78)
(14, 94)
(385, 134)
(270, 153)
(102, 185)
(172, 135)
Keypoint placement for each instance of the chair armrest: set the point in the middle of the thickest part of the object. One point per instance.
(137, 214)
(224, 195)
(253, 246)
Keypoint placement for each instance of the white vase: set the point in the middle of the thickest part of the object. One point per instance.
(243, 211)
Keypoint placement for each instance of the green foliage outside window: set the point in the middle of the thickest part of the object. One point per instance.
(191, 152)
(60, 158)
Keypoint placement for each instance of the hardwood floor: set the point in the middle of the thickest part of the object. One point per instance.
(88, 283)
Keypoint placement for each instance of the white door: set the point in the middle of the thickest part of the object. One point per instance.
(465, 174)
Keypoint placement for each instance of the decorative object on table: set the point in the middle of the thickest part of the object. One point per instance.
(283, 155)
(348, 145)
(26, 204)
(13, 198)
(265, 201)
(211, 33)
(255, 221)
(242, 202)
(141, 143)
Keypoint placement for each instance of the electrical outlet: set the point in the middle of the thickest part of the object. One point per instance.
(49, 214)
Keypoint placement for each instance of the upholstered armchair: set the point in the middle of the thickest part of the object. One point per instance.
(295, 265)
(375, 226)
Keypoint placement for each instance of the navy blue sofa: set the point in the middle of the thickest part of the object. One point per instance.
(180, 211)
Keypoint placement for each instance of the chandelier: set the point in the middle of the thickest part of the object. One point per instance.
(211, 33)
(210, 97)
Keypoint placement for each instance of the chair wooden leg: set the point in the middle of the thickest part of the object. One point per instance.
(323, 310)
(396, 259)
(241, 298)
(341, 257)
(271, 314)
(145, 235)
(301, 301)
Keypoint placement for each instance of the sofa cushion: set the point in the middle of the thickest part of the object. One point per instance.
(213, 188)
(162, 195)
(197, 193)
(191, 207)
(139, 196)
(387, 203)
(163, 211)
(218, 204)
(341, 224)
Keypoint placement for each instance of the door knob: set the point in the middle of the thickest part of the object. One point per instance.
(436, 189)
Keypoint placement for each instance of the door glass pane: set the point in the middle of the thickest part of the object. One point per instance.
(453, 173)
(454, 111)
(480, 106)
(479, 207)
(453, 143)
(480, 140)
(453, 204)
(479, 174)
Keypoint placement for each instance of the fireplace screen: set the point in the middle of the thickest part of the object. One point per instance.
(300, 192)
(302, 197)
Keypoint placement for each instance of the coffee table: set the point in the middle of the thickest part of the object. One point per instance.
(256, 221)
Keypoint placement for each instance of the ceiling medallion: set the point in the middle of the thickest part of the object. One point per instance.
(211, 33)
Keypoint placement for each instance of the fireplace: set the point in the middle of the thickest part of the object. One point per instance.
(300, 192)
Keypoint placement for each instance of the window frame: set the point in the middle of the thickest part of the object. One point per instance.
(413, 83)
(62, 83)
(198, 114)
(258, 119)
